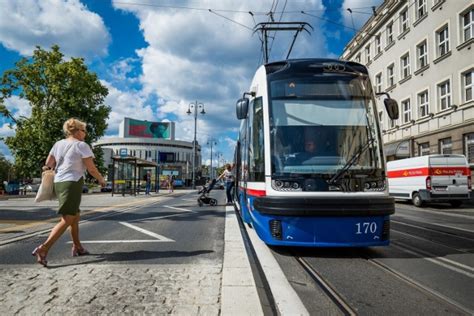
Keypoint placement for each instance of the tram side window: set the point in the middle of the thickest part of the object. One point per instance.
(243, 150)
(256, 145)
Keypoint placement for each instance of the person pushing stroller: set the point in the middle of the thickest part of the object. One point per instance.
(229, 182)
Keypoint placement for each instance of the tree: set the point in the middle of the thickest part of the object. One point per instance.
(6, 170)
(56, 89)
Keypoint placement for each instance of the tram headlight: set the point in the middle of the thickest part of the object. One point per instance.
(373, 185)
(286, 185)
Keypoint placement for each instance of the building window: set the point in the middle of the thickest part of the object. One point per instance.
(406, 108)
(367, 53)
(390, 75)
(424, 149)
(404, 20)
(423, 105)
(469, 147)
(381, 119)
(467, 85)
(378, 83)
(468, 25)
(389, 33)
(444, 95)
(378, 44)
(422, 54)
(442, 39)
(405, 65)
(420, 8)
(445, 146)
(358, 58)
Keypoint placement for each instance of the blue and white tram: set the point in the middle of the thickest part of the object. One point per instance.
(331, 193)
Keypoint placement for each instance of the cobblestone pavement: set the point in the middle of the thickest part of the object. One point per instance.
(94, 289)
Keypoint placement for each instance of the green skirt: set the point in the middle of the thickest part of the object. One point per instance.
(69, 195)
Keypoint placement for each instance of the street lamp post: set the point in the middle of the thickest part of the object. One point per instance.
(211, 142)
(195, 106)
(218, 155)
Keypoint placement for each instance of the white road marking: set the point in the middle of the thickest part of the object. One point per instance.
(446, 263)
(159, 238)
(146, 232)
(121, 241)
(437, 212)
(434, 224)
(179, 209)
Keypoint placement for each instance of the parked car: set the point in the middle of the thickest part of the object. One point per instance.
(29, 188)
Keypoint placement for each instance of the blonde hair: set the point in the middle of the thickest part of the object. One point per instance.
(73, 125)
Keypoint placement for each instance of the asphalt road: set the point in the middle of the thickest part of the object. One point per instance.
(427, 270)
(172, 231)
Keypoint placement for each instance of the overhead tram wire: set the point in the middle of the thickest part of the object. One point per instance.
(222, 10)
(281, 17)
(352, 18)
(260, 38)
(229, 19)
(371, 34)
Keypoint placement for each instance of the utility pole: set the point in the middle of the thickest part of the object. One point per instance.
(211, 142)
(195, 107)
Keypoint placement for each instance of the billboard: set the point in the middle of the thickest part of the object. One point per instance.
(137, 128)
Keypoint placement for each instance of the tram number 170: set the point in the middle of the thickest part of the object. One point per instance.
(366, 228)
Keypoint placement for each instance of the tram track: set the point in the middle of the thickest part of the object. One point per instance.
(379, 264)
(327, 288)
(351, 307)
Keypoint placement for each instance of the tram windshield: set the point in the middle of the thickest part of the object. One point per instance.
(320, 123)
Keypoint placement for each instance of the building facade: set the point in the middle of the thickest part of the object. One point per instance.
(421, 52)
(173, 156)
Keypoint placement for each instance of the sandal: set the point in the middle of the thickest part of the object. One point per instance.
(40, 254)
(76, 252)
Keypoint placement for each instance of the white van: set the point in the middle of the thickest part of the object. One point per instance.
(431, 178)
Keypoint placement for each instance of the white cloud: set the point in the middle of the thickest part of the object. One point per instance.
(18, 107)
(5, 151)
(6, 131)
(78, 31)
(126, 104)
(120, 70)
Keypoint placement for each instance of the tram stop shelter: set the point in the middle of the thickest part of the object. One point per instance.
(128, 174)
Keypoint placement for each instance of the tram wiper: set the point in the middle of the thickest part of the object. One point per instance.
(351, 162)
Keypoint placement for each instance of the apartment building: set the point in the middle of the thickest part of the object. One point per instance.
(421, 52)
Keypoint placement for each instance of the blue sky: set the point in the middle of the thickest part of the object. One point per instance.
(157, 56)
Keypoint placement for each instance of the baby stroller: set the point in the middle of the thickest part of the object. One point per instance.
(204, 198)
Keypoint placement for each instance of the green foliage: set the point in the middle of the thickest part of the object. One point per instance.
(57, 90)
(7, 171)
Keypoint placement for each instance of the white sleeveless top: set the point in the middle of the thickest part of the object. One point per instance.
(72, 167)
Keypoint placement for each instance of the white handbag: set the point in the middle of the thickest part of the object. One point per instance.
(46, 188)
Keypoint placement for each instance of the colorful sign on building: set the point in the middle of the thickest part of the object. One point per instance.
(137, 128)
